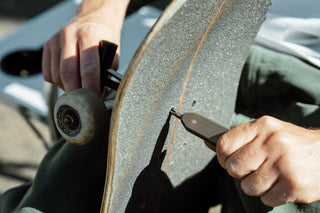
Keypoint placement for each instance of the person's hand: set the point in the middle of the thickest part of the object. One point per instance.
(275, 160)
(71, 57)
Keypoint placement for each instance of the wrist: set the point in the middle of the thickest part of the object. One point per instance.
(104, 9)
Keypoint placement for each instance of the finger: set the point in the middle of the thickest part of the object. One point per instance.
(69, 67)
(46, 66)
(233, 140)
(260, 181)
(279, 194)
(55, 61)
(246, 160)
(89, 64)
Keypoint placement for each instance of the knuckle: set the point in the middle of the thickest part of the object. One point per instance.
(67, 31)
(296, 183)
(86, 32)
(279, 139)
(87, 29)
(267, 121)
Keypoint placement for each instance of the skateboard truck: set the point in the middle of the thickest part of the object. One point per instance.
(201, 126)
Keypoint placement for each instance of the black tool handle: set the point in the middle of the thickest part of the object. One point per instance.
(203, 127)
(107, 52)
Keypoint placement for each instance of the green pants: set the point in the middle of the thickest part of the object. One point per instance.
(281, 86)
(71, 178)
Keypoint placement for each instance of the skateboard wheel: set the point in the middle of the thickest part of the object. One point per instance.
(80, 116)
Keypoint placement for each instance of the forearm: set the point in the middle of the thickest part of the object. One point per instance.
(91, 5)
(105, 9)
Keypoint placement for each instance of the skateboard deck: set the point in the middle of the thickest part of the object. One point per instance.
(191, 60)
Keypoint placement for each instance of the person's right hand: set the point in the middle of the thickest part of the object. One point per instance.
(275, 160)
(71, 57)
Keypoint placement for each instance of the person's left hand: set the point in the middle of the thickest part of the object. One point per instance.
(275, 160)
(71, 57)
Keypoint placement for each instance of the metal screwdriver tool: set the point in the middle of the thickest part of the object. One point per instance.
(201, 126)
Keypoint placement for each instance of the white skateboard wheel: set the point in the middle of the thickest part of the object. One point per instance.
(80, 116)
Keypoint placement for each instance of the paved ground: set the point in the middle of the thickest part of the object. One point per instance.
(21, 150)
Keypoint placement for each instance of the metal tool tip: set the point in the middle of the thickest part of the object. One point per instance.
(175, 113)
